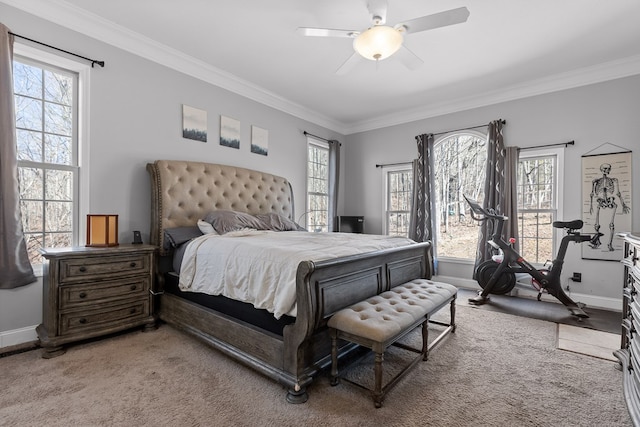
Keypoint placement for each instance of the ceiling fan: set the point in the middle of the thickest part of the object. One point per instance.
(380, 41)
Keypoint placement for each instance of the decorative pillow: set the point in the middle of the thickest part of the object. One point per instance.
(205, 227)
(278, 222)
(176, 236)
(224, 221)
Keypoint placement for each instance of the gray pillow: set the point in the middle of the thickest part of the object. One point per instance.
(174, 237)
(278, 222)
(224, 221)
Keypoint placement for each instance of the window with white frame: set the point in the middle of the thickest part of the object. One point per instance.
(538, 207)
(459, 169)
(46, 107)
(398, 193)
(317, 212)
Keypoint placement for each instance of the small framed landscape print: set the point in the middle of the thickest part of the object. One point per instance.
(229, 132)
(194, 123)
(259, 140)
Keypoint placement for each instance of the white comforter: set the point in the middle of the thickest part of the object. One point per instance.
(259, 267)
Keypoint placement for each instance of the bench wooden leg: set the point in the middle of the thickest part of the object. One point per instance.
(335, 380)
(425, 339)
(377, 391)
(453, 314)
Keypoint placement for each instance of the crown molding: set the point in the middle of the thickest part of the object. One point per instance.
(91, 25)
(576, 78)
(76, 19)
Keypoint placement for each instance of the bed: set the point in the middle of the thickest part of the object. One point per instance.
(295, 347)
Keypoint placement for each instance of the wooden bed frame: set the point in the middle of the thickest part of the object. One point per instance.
(184, 191)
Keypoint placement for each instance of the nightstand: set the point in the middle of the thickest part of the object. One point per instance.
(89, 292)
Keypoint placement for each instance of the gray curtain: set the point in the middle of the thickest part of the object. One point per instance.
(15, 269)
(500, 190)
(334, 181)
(423, 206)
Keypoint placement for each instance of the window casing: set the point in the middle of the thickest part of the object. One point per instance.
(539, 192)
(47, 94)
(317, 211)
(459, 169)
(398, 194)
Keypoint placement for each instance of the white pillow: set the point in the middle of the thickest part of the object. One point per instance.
(205, 227)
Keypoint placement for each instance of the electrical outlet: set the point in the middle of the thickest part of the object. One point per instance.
(577, 277)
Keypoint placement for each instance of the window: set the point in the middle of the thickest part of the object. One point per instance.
(398, 193)
(317, 185)
(46, 104)
(459, 168)
(538, 203)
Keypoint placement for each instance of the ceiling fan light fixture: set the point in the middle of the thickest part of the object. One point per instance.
(378, 42)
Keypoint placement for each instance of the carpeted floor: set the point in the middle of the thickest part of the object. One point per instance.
(496, 370)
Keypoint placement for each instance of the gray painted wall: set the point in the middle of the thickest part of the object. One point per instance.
(590, 115)
(135, 118)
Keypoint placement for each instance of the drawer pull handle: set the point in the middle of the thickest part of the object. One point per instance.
(82, 295)
(133, 287)
(132, 265)
(83, 269)
(83, 320)
(133, 311)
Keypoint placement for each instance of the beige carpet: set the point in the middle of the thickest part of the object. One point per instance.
(496, 370)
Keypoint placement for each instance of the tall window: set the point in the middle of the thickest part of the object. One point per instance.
(317, 212)
(459, 169)
(398, 187)
(537, 204)
(46, 101)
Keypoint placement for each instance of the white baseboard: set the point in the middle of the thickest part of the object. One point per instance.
(606, 303)
(18, 336)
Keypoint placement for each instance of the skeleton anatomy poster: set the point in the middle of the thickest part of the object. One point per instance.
(606, 203)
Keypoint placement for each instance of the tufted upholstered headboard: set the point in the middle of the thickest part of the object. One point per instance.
(182, 192)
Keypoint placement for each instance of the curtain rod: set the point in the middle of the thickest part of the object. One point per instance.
(392, 164)
(315, 136)
(321, 138)
(93, 61)
(548, 145)
(504, 122)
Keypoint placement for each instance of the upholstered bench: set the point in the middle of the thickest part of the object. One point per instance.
(380, 321)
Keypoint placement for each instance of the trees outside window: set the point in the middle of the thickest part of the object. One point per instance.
(317, 212)
(46, 101)
(459, 169)
(537, 205)
(398, 192)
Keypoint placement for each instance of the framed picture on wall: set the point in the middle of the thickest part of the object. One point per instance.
(194, 123)
(606, 203)
(229, 132)
(259, 140)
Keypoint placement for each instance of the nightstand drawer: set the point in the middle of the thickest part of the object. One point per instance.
(105, 317)
(86, 268)
(102, 292)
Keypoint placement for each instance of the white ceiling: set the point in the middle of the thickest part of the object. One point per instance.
(507, 49)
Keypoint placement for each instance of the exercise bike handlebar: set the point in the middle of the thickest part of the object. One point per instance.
(481, 214)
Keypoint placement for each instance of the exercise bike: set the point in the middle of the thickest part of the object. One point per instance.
(498, 276)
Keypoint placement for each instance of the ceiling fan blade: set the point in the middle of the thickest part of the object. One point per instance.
(437, 20)
(408, 58)
(377, 11)
(348, 64)
(326, 32)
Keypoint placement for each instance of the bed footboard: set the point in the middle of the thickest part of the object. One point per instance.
(323, 288)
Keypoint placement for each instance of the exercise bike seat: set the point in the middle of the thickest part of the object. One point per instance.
(576, 224)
